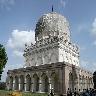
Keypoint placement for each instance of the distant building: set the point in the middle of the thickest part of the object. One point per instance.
(52, 62)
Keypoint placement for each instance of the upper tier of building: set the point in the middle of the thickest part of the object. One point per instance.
(50, 25)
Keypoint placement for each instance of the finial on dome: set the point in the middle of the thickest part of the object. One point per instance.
(52, 8)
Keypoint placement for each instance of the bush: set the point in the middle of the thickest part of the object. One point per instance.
(2, 85)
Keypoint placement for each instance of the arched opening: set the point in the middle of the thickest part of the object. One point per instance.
(16, 84)
(10, 83)
(91, 82)
(45, 83)
(83, 82)
(21, 83)
(39, 61)
(80, 82)
(70, 81)
(54, 82)
(46, 59)
(35, 83)
(28, 82)
(54, 58)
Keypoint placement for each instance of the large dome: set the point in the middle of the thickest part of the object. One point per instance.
(52, 24)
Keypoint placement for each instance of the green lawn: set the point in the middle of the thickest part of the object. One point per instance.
(5, 93)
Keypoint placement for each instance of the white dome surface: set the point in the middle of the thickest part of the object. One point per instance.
(52, 24)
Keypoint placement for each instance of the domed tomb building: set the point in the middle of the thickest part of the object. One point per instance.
(52, 63)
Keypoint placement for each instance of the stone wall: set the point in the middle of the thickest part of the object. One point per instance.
(44, 78)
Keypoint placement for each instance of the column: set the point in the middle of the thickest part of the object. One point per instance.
(77, 83)
(79, 87)
(24, 83)
(13, 84)
(92, 84)
(86, 83)
(7, 83)
(32, 85)
(19, 84)
(50, 86)
(9, 86)
(83, 83)
(40, 85)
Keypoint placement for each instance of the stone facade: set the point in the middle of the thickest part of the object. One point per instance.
(53, 44)
(52, 62)
(57, 76)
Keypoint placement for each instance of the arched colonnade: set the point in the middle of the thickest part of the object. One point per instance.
(34, 83)
(81, 82)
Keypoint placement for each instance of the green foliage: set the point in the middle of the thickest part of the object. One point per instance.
(2, 85)
(3, 59)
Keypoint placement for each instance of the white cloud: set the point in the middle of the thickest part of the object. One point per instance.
(63, 3)
(88, 65)
(84, 63)
(82, 48)
(9, 67)
(82, 27)
(16, 43)
(93, 31)
(94, 43)
(94, 27)
(18, 39)
(6, 4)
(18, 53)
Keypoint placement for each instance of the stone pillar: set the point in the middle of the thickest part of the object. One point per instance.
(92, 84)
(13, 84)
(32, 85)
(40, 85)
(81, 88)
(24, 83)
(86, 83)
(83, 83)
(76, 85)
(50, 85)
(19, 84)
(9, 84)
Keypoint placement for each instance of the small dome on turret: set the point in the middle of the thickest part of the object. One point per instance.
(52, 24)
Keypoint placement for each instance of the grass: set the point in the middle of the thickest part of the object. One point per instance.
(6, 93)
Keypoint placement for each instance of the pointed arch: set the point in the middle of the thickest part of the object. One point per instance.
(46, 59)
(70, 80)
(54, 82)
(28, 82)
(44, 80)
(10, 83)
(54, 58)
(39, 61)
(35, 83)
(16, 84)
(21, 83)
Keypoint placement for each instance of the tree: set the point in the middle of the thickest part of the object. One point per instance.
(3, 59)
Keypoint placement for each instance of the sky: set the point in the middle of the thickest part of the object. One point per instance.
(18, 19)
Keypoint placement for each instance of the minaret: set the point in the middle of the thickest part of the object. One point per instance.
(52, 8)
